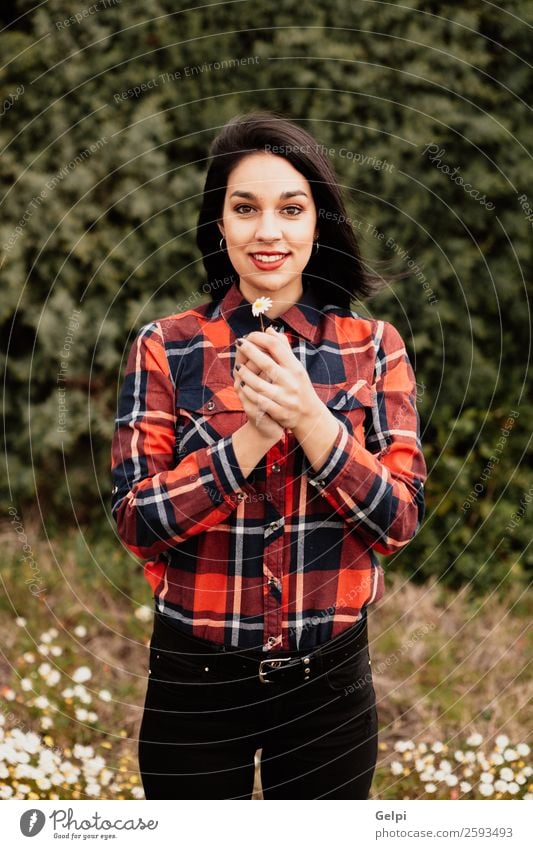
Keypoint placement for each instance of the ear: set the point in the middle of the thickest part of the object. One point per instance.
(221, 228)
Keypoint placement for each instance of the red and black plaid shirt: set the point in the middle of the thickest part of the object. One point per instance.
(284, 558)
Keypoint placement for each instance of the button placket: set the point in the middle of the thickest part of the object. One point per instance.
(273, 552)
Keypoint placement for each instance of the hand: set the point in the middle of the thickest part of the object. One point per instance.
(256, 416)
(276, 383)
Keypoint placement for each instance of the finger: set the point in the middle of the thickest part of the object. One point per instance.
(260, 382)
(262, 402)
(260, 357)
(269, 344)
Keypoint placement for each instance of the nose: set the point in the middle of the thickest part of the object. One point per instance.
(268, 229)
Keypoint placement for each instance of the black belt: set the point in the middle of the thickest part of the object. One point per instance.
(296, 666)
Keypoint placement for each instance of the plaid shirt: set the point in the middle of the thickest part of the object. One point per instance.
(284, 559)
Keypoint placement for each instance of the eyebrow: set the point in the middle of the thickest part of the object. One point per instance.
(283, 195)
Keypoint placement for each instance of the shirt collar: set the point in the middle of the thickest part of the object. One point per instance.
(303, 317)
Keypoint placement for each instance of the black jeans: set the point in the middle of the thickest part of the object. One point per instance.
(201, 728)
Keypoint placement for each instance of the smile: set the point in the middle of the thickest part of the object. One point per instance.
(268, 260)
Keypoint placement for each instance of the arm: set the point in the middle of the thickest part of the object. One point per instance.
(381, 496)
(155, 503)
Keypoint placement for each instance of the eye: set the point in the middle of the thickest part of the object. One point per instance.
(243, 206)
(297, 209)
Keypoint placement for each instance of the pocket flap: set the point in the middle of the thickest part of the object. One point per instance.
(346, 396)
(208, 400)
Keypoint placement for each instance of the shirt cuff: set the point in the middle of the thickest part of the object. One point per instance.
(227, 473)
(333, 464)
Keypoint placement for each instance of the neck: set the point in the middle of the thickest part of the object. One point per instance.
(281, 301)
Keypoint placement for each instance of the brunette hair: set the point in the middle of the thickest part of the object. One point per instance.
(337, 272)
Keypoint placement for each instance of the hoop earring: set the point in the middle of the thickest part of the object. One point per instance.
(220, 243)
(316, 248)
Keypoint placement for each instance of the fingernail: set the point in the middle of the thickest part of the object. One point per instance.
(240, 341)
(243, 383)
(237, 367)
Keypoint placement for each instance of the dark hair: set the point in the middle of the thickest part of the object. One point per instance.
(337, 272)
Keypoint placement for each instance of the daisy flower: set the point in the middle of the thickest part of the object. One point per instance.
(259, 306)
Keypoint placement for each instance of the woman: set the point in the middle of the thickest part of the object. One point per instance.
(260, 460)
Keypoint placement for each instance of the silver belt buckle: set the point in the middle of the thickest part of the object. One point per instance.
(274, 663)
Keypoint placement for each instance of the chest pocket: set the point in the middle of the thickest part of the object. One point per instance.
(204, 416)
(352, 403)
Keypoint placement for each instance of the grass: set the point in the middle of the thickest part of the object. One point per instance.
(451, 676)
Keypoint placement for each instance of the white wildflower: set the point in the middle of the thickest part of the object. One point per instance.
(513, 788)
(144, 613)
(396, 768)
(507, 774)
(81, 674)
(26, 684)
(451, 780)
(510, 755)
(523, 749)
(475, 739)
(502, 741)
(261, 305)
(486, 789)
(92, 789)
(500, 786)
(465, 787)
(82, 752)
(105, 695)
(20, 621)
(437, 746)
(56, 651)
(80, 631)
(430, 788)
(486, 777)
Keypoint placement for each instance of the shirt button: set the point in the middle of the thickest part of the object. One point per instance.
(271, 641)
(210, 405)
(274, 526)
(276, 467)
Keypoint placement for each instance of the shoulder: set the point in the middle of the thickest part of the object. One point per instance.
(351, 324)
(181, 325)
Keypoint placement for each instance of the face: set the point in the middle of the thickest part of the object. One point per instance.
(269, 223)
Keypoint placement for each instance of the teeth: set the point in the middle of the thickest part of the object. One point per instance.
(265, 258)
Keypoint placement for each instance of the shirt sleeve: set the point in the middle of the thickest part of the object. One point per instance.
(156, 503)
(380, 492)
